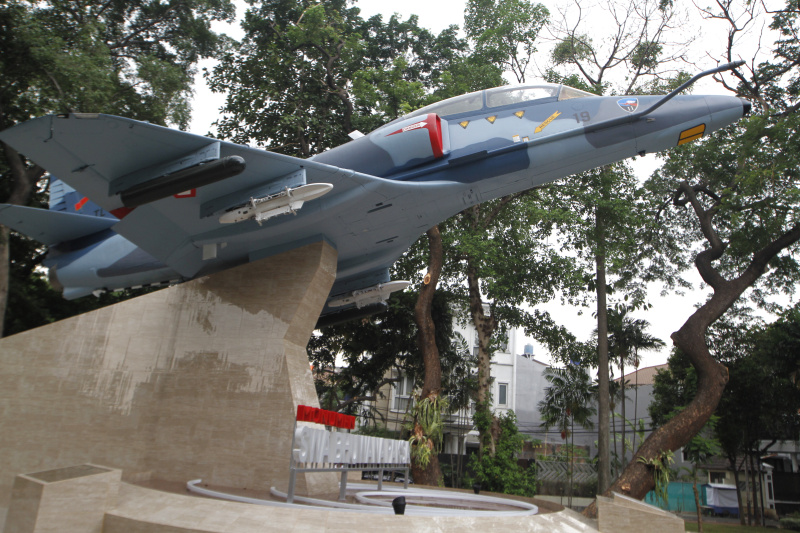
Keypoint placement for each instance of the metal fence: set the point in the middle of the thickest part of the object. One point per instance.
(555, 471)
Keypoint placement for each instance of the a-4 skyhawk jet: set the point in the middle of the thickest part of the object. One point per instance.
(159, 205)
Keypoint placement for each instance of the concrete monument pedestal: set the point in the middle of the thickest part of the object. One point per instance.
(200, 380)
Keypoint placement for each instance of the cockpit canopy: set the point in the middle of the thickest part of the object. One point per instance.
(499, 97)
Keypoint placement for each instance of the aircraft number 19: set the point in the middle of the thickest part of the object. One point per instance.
(583, 117)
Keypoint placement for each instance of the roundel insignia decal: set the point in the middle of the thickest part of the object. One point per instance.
(628, 104)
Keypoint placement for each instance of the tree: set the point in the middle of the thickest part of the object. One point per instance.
(126, 58)
(486, 245)
(500, 472)
(370, 348)
(567, 400)
(307, 74)
(609, 232)
(626, 338)
(759, 404)
(426, 341)
(505, 32)
(287, 84)
(737, 195)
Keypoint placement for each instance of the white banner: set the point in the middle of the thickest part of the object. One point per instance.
(325, 447)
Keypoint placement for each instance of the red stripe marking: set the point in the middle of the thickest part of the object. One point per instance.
(122, 212)
(433, 124)
(81, 203)
(434, 127)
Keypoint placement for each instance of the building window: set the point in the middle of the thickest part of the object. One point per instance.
(502, 394)
(403, 389)
(716, 477)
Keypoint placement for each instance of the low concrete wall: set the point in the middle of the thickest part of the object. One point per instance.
(66, 499)
(622, 514)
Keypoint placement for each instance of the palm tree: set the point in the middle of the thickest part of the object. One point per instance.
(567, 400)
(626, 338)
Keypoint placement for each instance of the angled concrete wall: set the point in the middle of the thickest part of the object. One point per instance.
(200, 380)
(623, 514)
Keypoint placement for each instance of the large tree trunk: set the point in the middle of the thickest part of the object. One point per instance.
(603, 400)
(426, 340)
(426, 337)
(427, 476)
(624, 458)
(637, 479)
(697, 500)
(748, 483)
(735, 469)
(485, 327)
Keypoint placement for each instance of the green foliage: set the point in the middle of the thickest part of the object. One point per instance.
(307, 74)
(606, 213)
(501, 472)
(488, 243)
(673, 387)
(128, 58)
(761, 399)
(375, 430)
(790, 523)
(747, 176)
(425, 424)
(482, 419)
(370, 348)
(505, 32)
(567, 400)
(728, 528)
(627, 337)
(572, 50)
(661, 473)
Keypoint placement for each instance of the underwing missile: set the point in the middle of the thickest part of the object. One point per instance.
(287, 201)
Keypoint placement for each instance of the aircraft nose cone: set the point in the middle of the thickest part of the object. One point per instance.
(746, 105)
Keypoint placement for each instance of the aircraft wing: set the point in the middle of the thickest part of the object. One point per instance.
(51, 227)
(107, 157)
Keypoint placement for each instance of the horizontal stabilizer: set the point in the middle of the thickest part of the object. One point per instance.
(51, 227)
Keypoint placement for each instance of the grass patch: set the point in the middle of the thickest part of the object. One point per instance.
(727, 528)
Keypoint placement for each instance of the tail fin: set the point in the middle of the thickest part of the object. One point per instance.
(67, 200)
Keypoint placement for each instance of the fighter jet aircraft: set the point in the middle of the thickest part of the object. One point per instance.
(157, 205)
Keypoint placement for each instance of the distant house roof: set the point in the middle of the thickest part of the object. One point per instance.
(532, 359)
(643, 376)
(718, 463)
